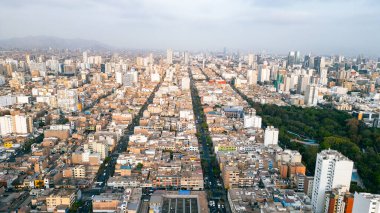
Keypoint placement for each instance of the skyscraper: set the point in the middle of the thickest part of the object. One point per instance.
(151, 59)
(291, 58)
(130, 78)
(186, 58)
(271, 136)
(5, 125)
(332, 170)
(323, 76)
(169, 56)
(251, 59)
(306, 61)
(22, 124)
(319, 62)
(85, 59)
(251, 120)
(366, 203)
(264, 74)
(298, 57)
(17, 124)
(303, 81)
(252, 77)
(311, 95)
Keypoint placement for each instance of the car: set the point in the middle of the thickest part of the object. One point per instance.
(218, 206)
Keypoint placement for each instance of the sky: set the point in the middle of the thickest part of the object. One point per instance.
(348, 27)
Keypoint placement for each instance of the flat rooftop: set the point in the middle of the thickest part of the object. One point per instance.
(180, 205)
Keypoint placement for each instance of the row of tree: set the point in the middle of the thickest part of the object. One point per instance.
(332, 129)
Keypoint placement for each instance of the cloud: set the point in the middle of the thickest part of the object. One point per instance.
(322, 26)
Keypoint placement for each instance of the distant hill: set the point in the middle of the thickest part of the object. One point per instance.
(44, 42)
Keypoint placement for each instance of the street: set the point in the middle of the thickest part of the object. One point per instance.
(213, 182)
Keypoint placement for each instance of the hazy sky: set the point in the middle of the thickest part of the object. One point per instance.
(276, 26)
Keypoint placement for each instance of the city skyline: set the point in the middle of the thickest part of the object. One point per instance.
(320, 27)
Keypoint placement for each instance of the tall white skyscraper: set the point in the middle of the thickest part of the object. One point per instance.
(251, 120)
(5, 125)
(16, 124)
(169, 56)
(186, 58)
(311, 95)
(22, 124)
(251, 59)
(264, 74)
(252, 77)
(119, 77)
(130, 78)
(271, 136)
(332, 170)
(366, 203)
(85, 59)
(323, 76)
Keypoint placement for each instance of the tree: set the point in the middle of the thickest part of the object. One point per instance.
(344, 145)
(139, 166)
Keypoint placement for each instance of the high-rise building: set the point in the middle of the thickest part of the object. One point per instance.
(130, 78)
(274, 72)
(16, 124)
(251, 60)
(100, 147)
(169, 56)
(151, 59)
(298, 57)
(332, 170)
(119, 77)
(338, 201)
(306, 62)
(252, 77)
(308, 185)
(186, 58)
(319, 62)
(291, 59)
(311, 95)
(303, 81)
(251, 120)
(366, 203)
(185, 83)
(85, 58)
(67, 100)
(271, 136)
(264, 74)
(323, 76)
(22, 124)
(6, 125)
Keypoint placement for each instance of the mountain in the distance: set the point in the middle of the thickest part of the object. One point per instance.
(44, 42)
